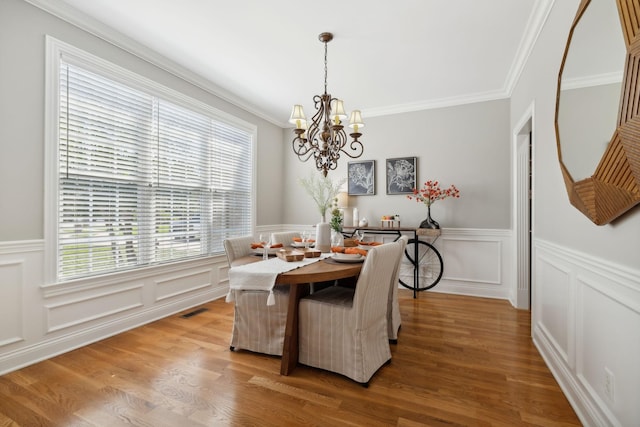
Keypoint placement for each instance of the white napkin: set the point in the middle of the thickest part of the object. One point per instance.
(261, 275)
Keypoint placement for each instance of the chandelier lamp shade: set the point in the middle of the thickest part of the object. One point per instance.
(324, 138)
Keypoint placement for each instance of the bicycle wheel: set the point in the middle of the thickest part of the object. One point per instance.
(428, 269)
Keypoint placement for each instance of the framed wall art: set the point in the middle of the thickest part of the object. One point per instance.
(401, 175)
(361, 178)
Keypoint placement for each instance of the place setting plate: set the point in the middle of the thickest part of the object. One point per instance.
(301, 244)
(347, 257)
(270, 251)
(368, 245)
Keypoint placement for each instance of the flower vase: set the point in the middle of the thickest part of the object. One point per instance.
(323, 237)
(429, 222)
(337, 239)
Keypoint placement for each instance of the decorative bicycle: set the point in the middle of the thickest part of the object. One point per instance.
(421, 267)
(425, 271)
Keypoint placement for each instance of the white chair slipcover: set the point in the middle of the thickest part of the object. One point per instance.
(284, 237)
(257, 326)
(345, 330)
(393, 309)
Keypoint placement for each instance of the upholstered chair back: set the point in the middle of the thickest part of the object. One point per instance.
(237, 247)
(284, 237)
(393, 310)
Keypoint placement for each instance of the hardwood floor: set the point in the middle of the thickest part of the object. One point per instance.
(460, 361)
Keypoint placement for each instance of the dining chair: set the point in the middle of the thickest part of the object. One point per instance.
(344, 330)
(284, 237)
(394, 319)
(257, 327)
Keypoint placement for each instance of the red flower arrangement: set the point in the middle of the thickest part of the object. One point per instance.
(431, 192)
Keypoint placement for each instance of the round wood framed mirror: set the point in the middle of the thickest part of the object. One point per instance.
(588, 132)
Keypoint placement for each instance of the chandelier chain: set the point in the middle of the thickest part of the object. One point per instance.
(325, 67)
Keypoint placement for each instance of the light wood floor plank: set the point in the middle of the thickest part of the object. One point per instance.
(459, 361)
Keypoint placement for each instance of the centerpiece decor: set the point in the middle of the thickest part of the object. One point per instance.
(324, 193)
(336, 225)
(428, 194)
(336, 220)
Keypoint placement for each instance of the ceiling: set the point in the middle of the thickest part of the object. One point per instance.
(386, 57)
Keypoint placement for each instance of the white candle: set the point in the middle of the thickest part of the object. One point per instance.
(356, 219)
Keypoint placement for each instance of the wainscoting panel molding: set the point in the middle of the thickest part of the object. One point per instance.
(181, 284)
(87, 309)
(20, 275)
(553, 305)
(11, 285)
(477, 262)
(223, 275)
(586, 325)
(472, 260)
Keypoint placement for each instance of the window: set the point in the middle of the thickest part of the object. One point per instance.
(142, 178)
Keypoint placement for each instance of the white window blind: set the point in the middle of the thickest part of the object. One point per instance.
(143, 180)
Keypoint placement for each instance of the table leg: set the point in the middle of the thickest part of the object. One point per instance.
(416, 273)
(290, 348)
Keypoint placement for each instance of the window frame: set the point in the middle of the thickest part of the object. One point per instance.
(55, 51)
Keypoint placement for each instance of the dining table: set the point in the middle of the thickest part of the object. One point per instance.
(299, 280)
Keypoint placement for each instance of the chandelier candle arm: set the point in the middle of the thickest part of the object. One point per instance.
(324, 137)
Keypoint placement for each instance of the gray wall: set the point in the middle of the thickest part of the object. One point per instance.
(22, 75)
(466, 145)
(555, 219)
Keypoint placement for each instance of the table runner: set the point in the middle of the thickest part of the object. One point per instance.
(261, 275)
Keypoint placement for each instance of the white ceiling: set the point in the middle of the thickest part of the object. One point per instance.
(386, 57)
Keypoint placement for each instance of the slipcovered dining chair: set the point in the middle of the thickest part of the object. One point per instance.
(393, 308)
(344, 330)
(284, 237)
(257, 326)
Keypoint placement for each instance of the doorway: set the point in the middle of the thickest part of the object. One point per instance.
(523, 212)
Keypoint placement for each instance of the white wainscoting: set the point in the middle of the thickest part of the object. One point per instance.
(38, 321)
(17, 272)
(586, 325)
(477, 262)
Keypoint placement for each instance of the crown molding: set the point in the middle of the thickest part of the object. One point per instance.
(92, 26)
(537, 20)
(435, 103)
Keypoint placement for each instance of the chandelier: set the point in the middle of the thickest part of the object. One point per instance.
(325, 137)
